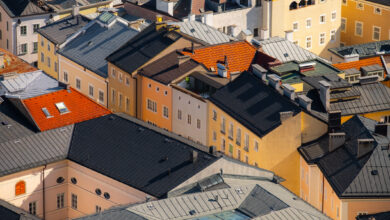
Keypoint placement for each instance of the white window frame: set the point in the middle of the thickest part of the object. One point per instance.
(102, 92)
(311, 23)
(373, 33)
(323, 22)
(331, 16)
(375, 12)
(345, 25)
(311, 42)
(77, 79)
(359, 22)
(67, 76)
(330, 36)
(147, 107)
(89, 90)
(163, 111)
(295, 23)
(323, 33)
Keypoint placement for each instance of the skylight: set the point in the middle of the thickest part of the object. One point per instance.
(62, 108)
(46, 112)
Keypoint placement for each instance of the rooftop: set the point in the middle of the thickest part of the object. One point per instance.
(96, 41)
(285, 50)
(376, 216)
(28, 85)
(236, 56)
(253, 104)
(167, 69)
(13, 64)
(145, 12)
(359, 64)
(61, 108)
(19, 8)
(364, 50)
(381, 2)
(60, 5)
(59, 31)
(11, 212)
(350, 174)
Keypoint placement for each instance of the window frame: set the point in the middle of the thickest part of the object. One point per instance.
(308, 19)
(74, 201)
(23, 33)
(60, 200)
(311, 42)
(345, 25)
(324, 38)
(101, 92)
(20, 188)
(151, 105)
(373, 33)
(165, 111)
(335, 16)
(293, 27)
(362, 26)
(324, 16)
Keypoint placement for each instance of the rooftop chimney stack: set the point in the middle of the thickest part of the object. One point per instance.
(305, 102)
(334, 121)
(383, 129)
(75, 10)
(365, 146)
(259, 71)
(289, 35)
(325, 94)
(289, 91)
(274, 81)
(222, 70)
(194, 156)
(336, 140)
(191, 17)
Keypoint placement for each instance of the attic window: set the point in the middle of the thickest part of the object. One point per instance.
(47, 113)
(62, 108)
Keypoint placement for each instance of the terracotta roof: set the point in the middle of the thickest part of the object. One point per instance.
(14, 64)
(358, 64)
(239, 55)
(80, 109)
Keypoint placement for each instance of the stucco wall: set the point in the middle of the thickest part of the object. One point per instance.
(51, 70)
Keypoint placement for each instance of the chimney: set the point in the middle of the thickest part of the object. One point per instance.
(364, 146)
(75, 10)
(336, 140)
(334, 121)
(264, 34)
(212, 150)
(182, 59)
(225, 61)
(285, 115)
(191, 17)
(351, 57)
(194, 156)
(192, 48)
(289, 35)
(303, 67)
(383, 129)
(305, 102)
(274, 81)
(222, 70)
(289, 91)
(325, 94)
(208, 18)
(259, 71)
(159, 22)
(234, 30)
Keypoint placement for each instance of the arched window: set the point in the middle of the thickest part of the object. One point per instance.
(20, 188)
(302, 3)
(293, 5)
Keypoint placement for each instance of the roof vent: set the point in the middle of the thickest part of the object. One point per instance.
(192, 212)
(167, 140)
(150, 206)
(374, 172)
(111, 117)
(385, 147)
(365, 146)
(46, 112)
(222, 70)
(4, 123)
(285, 54)
(90, 43)
(303, 67)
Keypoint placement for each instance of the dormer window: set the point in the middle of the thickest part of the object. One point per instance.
(62, 108)
(47, 113)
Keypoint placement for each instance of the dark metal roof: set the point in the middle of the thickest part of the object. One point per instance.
(381, 2)
(253, 104)
(364, 50)
(349, 175)
(376, 216)
(17, 8)
(61, 30)
(90, 48)
(143, 47)
(166, 69)
(11, 212)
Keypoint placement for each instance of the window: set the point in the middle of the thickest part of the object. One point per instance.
(90, 90)
(120, 77)
(360, 6)
(101, 96)
(20, 188)
(231, 149)
(48, 62)
(127, 81)
(295, 26)
(113, 73)
(1, 35)
(198, 123)
(256, 146)
(255, 32)
(214, 115)
(189, 119)
(376, 33)
(308, 23)
(334, 15)
(238, 136)
(246, 141)
(214, 136)
(377, 11)
(179, 114)
(48, 46)
(66, 77)
(56, 67)
(231, 131)
(113, 97)
(344, 2)
(127, 104)
(35, 27)
(238, 154)
(35, 47)
(74, 201)
(308, 42)
(60, 200)
(223, 145)
(23, 48)
(42, 58)
(23, 30)
(293, 5)
(98, 209)
(120, 100)
(7, 44)
(322, 38)
(322, 1)
(337, 212)
(78, 84)
(223, 129)
(333, 35)
(322, 19)
(32, 208)
(343, 25)
(358, 28)
(62, 108)
(42, 43)
(7, 26)
(165, 112)
(151, 105)
(246, 159)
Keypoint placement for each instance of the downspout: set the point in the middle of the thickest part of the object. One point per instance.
(43, 192)
(323, 193)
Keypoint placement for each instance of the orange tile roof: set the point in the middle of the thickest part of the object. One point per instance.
(80, 107)
(14, 64)
(360, 63)
(239, 55)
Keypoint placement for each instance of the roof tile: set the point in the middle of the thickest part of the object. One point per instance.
(360, 63)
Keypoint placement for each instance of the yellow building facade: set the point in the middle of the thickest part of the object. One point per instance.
(84, 10)
(364, 22)
(47, 56)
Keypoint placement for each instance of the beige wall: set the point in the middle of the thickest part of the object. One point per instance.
(312, 128)
(86, 77)
(50, 58)
(87, 182)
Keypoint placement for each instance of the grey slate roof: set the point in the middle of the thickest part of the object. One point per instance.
(61, 30)
(18, 8)
(11, 212)
(27, 85)
(253, 104)
(381, 2)
(59, 5)
(202, 32)
(364, 50)
(91, 47)
(285, 50)
(350, 176)
(376, 216)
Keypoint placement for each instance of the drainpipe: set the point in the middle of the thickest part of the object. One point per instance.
(43, 192)
(323, 193)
